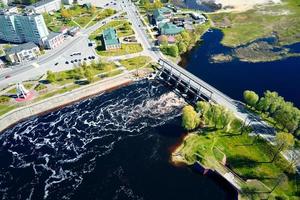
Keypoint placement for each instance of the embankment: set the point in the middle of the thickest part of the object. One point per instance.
(14, 116)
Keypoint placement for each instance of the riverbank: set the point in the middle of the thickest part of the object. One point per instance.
(9, 119)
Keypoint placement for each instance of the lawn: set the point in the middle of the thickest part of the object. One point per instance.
(125, 49)
(241, 28)
(136, 62)
(117, 24)
(250, 158)
(79, 15)
(73, 75)
(6, 108)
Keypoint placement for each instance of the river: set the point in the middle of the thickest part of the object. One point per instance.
(232, 78)
(113, 146)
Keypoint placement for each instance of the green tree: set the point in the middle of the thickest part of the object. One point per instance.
(251, 98)
(185, 37)
(226, 117)
(157, 4)
(263, 104)
(51, 77)
(287, 117)
(173, 50)
(190, 119)
(89, 74)
(164, 40)
(182, 47)
(284, 141)
(65, 14)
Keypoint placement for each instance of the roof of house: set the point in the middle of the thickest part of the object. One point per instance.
(170, 29)
(110, 36)
(41, 3)
(160, 12)
(170, 39)
(53, 35)
(21, 47)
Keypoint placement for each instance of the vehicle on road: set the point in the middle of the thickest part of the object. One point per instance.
(7, 76)
(67, 62)
(56, 64)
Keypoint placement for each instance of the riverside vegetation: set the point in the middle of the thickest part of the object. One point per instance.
(220, 141)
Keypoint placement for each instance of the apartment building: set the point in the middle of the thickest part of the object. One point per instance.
(19, 28)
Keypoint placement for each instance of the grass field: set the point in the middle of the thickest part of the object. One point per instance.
(250, 158)
(78, 16)
(117, 24)
(136, 62)
(241, 28)
(125, 49)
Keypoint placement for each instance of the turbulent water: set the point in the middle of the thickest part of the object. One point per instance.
(50, 155)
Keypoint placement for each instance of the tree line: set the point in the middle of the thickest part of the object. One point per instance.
(212, 115)
(284, 113)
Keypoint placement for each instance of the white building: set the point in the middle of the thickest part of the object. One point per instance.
(22, 53)
(19, 28)
(54, 40)
(46, 6)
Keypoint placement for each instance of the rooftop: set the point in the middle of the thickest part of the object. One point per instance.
(110, 36)
(21, 47)
(159, 13)
(169, 29)
(43, 2)
(52, 35)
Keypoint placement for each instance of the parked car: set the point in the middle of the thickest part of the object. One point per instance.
(7, 76)
(56, 64)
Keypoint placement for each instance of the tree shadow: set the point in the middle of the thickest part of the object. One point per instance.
(241, 161)
(81, 82)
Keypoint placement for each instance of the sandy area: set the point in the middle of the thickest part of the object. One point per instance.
(242, 5)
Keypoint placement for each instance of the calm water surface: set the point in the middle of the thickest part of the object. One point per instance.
(113, 146)
(234, 77)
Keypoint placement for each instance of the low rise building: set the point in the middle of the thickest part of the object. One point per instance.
(199, 18)
(45, 6)
(161, 15)
(21, 53)
(54, 40)
(169, 29)
(110, 39)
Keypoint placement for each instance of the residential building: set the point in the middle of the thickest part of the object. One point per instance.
(110, 39)
(199, 18)
(169, 29)
(19, 28)
(161, 15)
(45, 6)
(54, 40)
(68, 2)
(21, 53)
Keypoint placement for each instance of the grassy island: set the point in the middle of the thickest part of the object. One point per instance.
(281, 20)
(223, 143)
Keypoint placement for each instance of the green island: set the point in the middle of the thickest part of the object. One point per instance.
(281, 20)
(221, 142)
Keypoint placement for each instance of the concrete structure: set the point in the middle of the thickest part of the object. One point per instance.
(45, 6)
(54, 40)
(169, 29)
(110, 39)
(22, 53)
(21, 91)
(19, 28)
